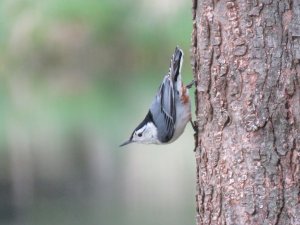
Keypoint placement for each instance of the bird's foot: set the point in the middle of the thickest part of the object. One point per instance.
(194, 125)
(189, 85)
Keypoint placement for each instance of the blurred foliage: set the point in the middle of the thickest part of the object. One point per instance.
(76, 76)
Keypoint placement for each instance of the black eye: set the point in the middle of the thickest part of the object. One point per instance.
(140, 134)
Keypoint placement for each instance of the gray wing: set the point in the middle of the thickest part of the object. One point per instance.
(163, 110)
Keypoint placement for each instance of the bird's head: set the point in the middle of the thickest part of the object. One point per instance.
(145, 134)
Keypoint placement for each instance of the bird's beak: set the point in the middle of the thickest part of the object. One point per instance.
(126, 143)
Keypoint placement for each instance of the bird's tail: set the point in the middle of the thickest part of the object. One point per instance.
(176, 63)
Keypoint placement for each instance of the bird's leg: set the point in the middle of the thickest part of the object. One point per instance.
(194, 125)
(189, 85)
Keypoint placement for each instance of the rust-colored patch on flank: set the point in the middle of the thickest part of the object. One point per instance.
(184, 97)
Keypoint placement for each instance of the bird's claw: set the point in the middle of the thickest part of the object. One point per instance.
(194, 125)
(189, 85)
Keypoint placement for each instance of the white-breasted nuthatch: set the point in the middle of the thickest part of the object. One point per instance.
(170, 110)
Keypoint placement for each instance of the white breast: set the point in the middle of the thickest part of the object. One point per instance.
(183, 115)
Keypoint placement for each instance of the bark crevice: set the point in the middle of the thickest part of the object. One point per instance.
(245, 60)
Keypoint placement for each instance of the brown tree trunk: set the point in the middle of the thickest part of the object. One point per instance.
(246, 63)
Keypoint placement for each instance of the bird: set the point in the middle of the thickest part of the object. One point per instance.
(170, 110)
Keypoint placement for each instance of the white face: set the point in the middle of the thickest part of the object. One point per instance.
(146, 135)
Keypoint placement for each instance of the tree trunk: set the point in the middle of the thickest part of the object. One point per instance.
(245, 59)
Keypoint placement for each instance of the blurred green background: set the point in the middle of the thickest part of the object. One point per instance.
(76, 77)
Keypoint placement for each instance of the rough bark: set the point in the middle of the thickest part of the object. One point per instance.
(245, 59)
